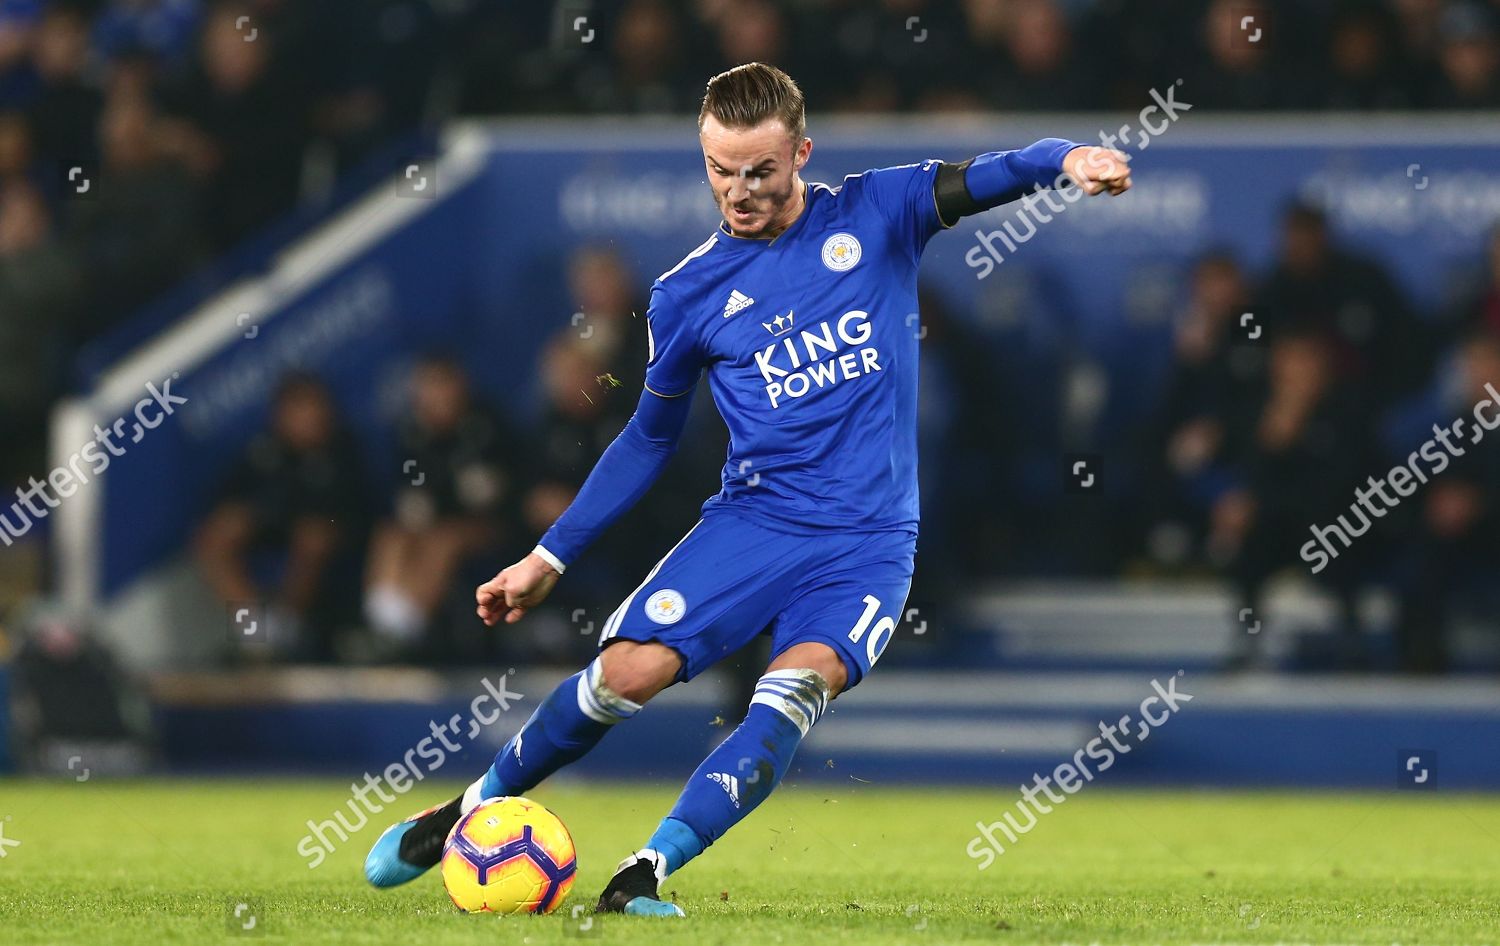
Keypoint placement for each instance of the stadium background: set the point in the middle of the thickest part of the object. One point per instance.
(394, 256)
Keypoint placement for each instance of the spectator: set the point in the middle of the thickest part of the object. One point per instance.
(1482, 312)
(291, 516)
(65, 109)
(139, 234)
(1468, 59)
(162, 30)
(17, 154)
(18, 19)
(1235, 72)
(1311, 446)
(1209, 408)
(1367, 66)
(38, 284)
(613, 326)
(1379, 345)
(241, 127)
(456, 498)
(584, 412)
(889, 56)
(752, 31)
(375, 79)
(645, 71)
(1040, 69)
(1455, 546)
(585, 409)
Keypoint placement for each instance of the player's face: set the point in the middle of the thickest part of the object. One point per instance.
(753, 173)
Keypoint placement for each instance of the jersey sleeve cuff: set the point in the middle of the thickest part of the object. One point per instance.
(546, 556)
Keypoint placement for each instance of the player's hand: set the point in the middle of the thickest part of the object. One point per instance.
(515, 590)
(1097, 170)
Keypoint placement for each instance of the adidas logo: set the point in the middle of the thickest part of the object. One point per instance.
(738, 302)
(729, 783)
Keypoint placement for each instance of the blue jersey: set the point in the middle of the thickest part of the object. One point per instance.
(810, 343)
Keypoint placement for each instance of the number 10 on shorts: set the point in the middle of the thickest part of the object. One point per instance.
(879, 636)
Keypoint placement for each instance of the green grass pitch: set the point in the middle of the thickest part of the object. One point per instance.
(167, 861)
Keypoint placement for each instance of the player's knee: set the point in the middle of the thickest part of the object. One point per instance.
(636, 671)
(799, 694)
(817, 657)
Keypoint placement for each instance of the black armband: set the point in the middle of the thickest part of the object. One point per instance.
(950, 192)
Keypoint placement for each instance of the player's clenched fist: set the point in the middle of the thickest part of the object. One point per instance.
(1097, 170)
(515, 590)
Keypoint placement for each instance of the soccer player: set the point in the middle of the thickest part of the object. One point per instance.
(802, 308)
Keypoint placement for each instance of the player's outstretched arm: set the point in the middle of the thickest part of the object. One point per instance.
(1000, 177)
(623, 474)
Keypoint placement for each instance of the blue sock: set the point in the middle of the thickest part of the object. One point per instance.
(739, 774)
(567, 724)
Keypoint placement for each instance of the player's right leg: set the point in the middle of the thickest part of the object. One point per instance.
(567, 724)
(847, 593)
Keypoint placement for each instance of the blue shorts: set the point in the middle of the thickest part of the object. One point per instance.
(729, 579)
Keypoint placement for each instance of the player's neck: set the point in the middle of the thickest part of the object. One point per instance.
(798, 207)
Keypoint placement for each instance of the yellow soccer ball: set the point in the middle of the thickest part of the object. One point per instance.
(509, 855)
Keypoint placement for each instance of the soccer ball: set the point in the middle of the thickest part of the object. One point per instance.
(509, 855)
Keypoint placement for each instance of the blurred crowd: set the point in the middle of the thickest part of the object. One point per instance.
(142, 139)
(933, 55)
(1259, 433)
(346, 570)
(1264, 434)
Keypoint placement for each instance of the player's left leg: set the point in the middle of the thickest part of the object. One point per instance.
(825, 641)
(706, 598)
(564, 727)
(735, 778)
